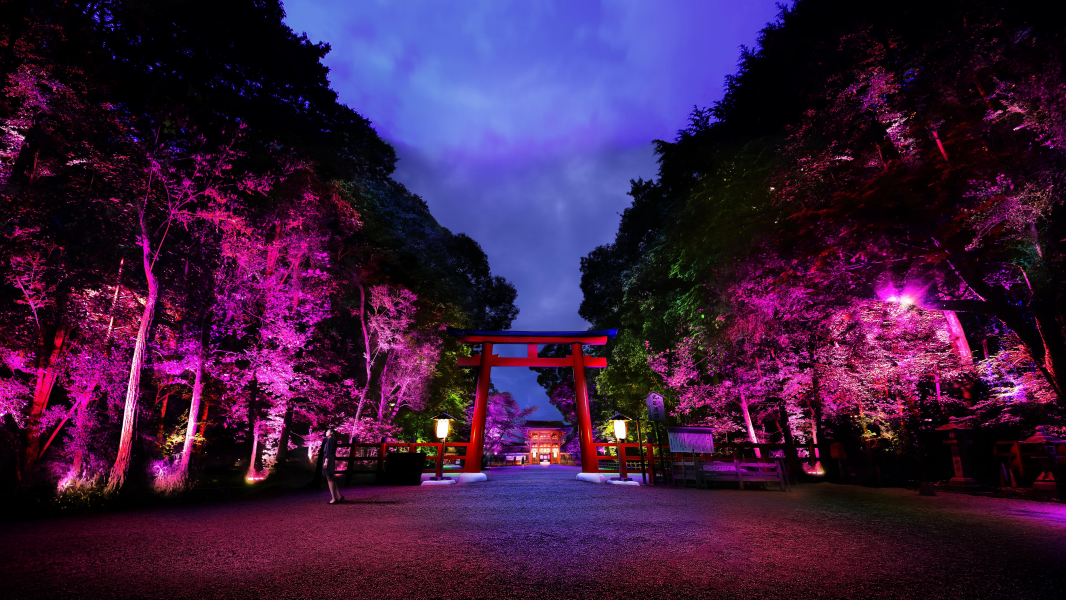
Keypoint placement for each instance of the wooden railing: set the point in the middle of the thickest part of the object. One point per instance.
(374, 454)
(608, 453)
(660, 460)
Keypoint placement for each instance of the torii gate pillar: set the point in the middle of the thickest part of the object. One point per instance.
(589, 462)
(577, 360)
(481, 410)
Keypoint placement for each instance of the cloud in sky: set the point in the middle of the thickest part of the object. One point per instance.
(521, 122)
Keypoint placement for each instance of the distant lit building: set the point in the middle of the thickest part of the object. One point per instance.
(544, 438)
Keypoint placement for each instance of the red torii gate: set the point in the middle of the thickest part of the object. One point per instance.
(577, 361)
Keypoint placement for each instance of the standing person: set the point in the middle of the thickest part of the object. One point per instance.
(329, 465)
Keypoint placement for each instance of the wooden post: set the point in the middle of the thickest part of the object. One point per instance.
(481, 410)
(640, 444)
(662, 454)
(621, 450)
(350, 471)
(589, 464)
(440, 461)
(651, 461)
(381, 463)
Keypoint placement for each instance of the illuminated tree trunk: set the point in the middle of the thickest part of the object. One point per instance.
(1054, 354)
(253, 428)
(1037, 326)
(747, 419)
(129, 414)
(384, 398)
(958, 338)
(815, 405)
(194, 411)
(81, 425)
(253, 472)
(42, 391)
(366, 346)
(283, 439)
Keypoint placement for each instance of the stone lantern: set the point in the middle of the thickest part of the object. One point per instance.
(1048, 458)
(959, 440)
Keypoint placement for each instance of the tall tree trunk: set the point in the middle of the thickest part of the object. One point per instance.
(791, 456)
(384, 397)
(1037, 325)
(253, 427)
(194, 411)
(814, 403)
(81, 426)
(1054, 355)
(958, 338)
(747, 419)
(283, 439)
(42, 391)
(203, 418)
(129, 414)
(366, 346)
(253, 472)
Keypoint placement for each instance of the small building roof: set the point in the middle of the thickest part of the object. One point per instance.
(545, 425)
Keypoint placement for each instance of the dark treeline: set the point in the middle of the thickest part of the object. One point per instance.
(863, 238)
(204, 257)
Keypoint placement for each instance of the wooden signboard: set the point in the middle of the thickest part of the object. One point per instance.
(656, 408)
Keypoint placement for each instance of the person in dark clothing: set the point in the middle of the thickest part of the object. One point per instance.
(329, 466)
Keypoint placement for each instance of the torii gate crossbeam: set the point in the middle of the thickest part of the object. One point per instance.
(577, 360)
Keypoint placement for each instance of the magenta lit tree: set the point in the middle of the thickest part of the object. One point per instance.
(503, 422)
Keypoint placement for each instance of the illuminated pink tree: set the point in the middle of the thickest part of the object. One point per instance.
(273, 290)
(503, 422)
(181, 189)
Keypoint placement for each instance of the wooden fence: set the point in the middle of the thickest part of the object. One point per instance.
(366, 459)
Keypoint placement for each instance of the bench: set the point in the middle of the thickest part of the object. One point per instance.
(746, 471)
(741, 470)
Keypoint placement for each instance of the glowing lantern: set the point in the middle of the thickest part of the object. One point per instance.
(619, 422)
(444, 423)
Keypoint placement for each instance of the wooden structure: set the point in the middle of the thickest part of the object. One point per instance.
(736, 461)
(577, 360)
(372, 456)
(742, 471)
(544, 439)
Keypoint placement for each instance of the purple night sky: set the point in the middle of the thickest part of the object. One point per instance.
(521, 123)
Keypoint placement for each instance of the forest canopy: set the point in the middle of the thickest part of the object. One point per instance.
(863, 238)
(203, 253)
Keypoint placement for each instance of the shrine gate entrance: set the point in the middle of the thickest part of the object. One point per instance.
(577, 361)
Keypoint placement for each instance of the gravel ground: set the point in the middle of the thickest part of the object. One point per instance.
(539, 533)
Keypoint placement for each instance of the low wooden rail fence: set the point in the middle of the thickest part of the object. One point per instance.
(367, 458)
(668, 465)
(372, 456)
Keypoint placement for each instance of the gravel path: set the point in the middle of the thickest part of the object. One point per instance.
(539, 533)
